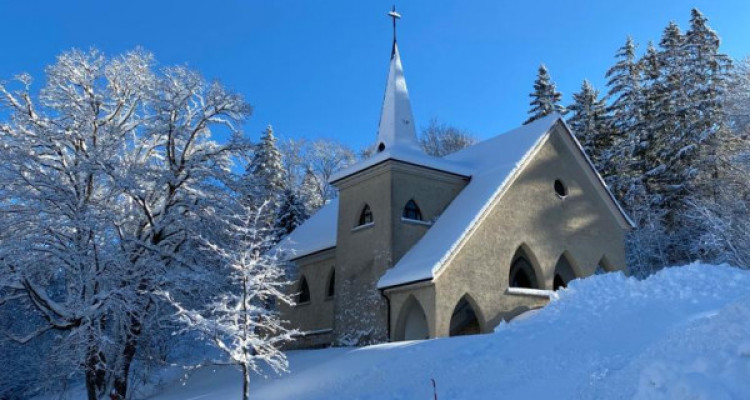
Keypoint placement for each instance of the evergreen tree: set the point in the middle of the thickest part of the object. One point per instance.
(291, 214)
(310, 192)
(707, 74)
(264, 177)
(588, 121)
(625, 119)
(624, 88)
(545, 98)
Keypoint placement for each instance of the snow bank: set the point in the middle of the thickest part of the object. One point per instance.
(682, 333)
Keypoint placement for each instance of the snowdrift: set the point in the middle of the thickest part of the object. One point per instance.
(682, 333)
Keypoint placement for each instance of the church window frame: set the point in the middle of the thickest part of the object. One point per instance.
(331, 284)
(366, 217)
(412, 212)
(303, 295)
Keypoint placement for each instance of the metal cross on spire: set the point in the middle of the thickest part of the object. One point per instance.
(393, 14)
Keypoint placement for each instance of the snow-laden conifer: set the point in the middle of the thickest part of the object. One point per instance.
(588, 120)
(545, 97)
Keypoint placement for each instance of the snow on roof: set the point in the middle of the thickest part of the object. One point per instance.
(396, 128)
(493, 162)
(316, 234)
(407, 155)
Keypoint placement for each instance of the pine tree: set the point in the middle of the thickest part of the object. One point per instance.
(310, 192)
(291, 214)
(706, 73)
(264, 178)
(588, 121)
(545, 98)
(625, 118)
(706, 77)
(624, 88)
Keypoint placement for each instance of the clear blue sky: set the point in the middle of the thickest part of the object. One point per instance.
(318, 68)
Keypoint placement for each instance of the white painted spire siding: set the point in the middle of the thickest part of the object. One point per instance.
(396, 130)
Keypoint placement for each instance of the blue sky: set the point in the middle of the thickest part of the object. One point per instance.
(318, 69)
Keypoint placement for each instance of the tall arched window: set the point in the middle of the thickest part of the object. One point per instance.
(303, 294)
(411, 211)
(331, 290)
(366, 216)
(522, 273)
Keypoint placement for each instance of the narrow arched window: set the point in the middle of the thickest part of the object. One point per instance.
(411, 211)
(303, 294)
(331, 284)
(366, 216)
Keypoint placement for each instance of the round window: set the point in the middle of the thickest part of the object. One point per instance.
(560, 188)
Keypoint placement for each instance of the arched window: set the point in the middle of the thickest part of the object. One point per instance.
(303, 294)
(411, 211)
(560, 188)
(331, 290)
(464, 319)
(522, 273)
(564, 272)
(366, 216)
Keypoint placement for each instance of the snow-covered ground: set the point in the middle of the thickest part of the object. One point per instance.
(683, 333)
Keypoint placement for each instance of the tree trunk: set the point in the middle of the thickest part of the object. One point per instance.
(95, 374)
(123, 374)
(245, 382)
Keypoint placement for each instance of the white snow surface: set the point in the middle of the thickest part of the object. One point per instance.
(683, 333)
(316, 234)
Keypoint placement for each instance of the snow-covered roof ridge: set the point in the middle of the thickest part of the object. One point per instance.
(493, 162)
(407, 155)
(316, 234)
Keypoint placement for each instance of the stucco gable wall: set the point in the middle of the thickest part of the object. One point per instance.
(530, 213)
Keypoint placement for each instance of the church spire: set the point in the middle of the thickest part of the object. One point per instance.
(396, 129)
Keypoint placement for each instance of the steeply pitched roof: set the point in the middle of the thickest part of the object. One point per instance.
(316, 234)
(397, 135)
(494, 163)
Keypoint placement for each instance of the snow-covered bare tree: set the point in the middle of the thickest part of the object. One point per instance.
(243, 321)
(440, 139)
(110, 174)
(545, 99)
(322, 157)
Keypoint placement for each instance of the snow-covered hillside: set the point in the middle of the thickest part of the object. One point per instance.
(684, 333)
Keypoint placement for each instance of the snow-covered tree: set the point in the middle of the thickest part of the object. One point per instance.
(321, 156)
(440, 139)
(588, 120)
(310, 192)
(109, 175)
(545, 98)
(292, 212)
(265, 173)
(243, 321)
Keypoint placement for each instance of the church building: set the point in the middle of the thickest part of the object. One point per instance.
(419, 247)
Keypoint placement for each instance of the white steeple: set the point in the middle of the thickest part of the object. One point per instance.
(396, 129)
